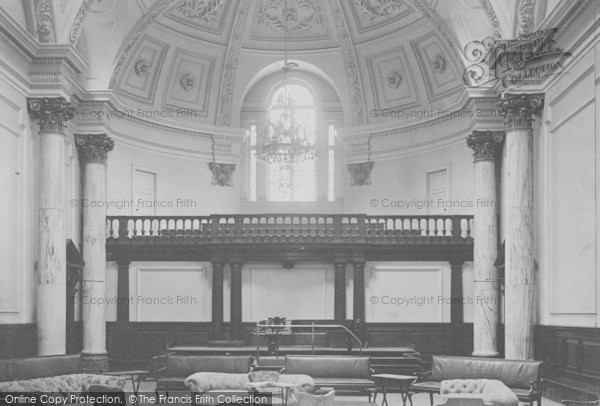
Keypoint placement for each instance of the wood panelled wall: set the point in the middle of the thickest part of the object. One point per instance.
(572, 361)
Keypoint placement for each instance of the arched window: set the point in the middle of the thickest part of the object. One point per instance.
(290, 104)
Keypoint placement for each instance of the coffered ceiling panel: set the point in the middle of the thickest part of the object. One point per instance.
(189, 82)
(392, 82)
(439, 73)
(140, 78)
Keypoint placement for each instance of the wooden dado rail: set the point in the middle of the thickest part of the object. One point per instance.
(290, 227)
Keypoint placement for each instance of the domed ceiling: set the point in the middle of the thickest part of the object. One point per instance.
(200, 56)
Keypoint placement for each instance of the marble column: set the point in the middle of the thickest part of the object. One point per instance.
(217, 300)
(359, 298)
(339, 292)
(237, 328)
(517, 111)
(51, 115)
(93, 150)
(485, 145)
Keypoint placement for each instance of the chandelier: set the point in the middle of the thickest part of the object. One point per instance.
(281, 140)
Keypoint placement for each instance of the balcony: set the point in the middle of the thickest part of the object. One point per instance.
(290, 237)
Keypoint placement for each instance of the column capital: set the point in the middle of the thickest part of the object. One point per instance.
(485, 144)
(51, 112)
(93, 148)
(517, 109)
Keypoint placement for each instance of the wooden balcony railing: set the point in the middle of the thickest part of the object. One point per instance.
(273, 228)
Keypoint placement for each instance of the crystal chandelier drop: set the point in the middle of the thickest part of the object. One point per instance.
(281, 140)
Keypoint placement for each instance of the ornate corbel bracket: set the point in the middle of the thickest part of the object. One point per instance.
(222, 174)
(360, 173)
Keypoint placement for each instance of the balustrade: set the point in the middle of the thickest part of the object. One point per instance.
(290, 227)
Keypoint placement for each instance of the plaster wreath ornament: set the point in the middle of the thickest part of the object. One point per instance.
(290, 15)
(206, 11)
(394, 79)
(188, 81)
(438, 64)
(360, 173)
(374, 9)
(142, 67)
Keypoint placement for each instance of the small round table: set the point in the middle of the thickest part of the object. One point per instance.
(385, 381)
(136, 377)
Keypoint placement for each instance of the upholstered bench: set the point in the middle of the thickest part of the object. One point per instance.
(59, 374)
(341, 373)
(522, 377)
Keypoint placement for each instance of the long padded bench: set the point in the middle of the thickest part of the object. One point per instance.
(342, 373)
(179, 367)
(524, 378)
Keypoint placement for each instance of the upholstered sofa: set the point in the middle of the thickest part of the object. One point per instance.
(59, 374)
(341, 373)
(524, 378)
(490, 391)
(213, 383)
(178, 367)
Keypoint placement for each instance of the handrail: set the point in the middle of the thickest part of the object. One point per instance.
(313, 325)
(326, 227)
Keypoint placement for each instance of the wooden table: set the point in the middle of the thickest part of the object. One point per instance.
(402, 382)
(284, 387)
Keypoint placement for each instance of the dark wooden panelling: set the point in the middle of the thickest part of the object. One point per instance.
(572, 361)
(18, 340)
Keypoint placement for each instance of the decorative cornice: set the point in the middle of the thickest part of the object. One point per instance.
(518, 109)
(351, 65)
(360, 173)
(51, 113)
(222, 174)
(93, 148)
(485, 144)
(231, 64)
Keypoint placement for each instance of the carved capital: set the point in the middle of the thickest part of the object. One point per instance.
(51, 112)
(93, 148)
(518, 109)
(485, 144)
(222, 174)
(360, 174)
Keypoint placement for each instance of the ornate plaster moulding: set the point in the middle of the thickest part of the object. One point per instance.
(107, 108)
(478, 110)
